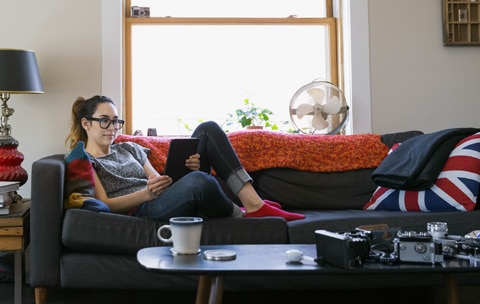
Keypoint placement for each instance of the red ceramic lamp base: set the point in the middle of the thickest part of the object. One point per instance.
(10, 161)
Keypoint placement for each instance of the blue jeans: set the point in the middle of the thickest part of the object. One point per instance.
(199, 193)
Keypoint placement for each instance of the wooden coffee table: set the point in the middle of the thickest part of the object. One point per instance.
(270, 259)
(14, 237)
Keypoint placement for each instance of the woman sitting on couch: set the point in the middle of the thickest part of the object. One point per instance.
(126, 181)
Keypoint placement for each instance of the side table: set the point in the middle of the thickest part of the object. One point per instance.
(14, 237)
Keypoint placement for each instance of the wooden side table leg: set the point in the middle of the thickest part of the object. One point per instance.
(18, 277)
(452, 288)
(40, 295)
(203, 289)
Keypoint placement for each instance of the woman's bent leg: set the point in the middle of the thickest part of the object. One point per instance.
(196, 194)
(217, 152)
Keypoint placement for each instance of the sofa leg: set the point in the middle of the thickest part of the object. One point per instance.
(40, 295)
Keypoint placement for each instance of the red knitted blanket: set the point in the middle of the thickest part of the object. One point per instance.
(259, 150)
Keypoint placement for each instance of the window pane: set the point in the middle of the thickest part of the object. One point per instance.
(244, 8)
(205, 72)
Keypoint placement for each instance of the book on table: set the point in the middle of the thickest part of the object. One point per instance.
(5, 210)
(6, 186)
(7, 197)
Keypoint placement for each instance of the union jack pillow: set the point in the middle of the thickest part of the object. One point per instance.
(456, 188)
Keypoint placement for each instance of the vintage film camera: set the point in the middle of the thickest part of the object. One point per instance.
(140, 11)
(420, 247)
(348, 249)
(382, 248)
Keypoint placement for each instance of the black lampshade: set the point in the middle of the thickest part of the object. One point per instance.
(19, 72)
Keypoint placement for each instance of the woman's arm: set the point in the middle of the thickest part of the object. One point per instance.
(156, 182)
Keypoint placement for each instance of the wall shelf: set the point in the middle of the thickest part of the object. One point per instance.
(461, 22)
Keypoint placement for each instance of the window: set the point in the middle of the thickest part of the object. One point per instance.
(181, 70)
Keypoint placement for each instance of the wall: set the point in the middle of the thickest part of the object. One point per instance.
(416, 82)
(67, 39)
(409, 80)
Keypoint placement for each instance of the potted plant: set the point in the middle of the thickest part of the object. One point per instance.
(253, 117)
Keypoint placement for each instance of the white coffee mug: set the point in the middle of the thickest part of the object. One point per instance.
(185, 234)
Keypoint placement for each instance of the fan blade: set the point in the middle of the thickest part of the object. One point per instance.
(303, 110)
(316, 94)
(318, 122)
(333, 106)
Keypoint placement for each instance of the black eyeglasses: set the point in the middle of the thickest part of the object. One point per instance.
(105, 122)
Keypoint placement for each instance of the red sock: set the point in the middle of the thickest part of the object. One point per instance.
(272, 203)
(268, 210)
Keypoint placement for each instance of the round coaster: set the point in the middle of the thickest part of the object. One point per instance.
(219, 255)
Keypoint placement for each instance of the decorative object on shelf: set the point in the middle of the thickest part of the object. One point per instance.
(461, 23)
(18, 75)
(319, 107)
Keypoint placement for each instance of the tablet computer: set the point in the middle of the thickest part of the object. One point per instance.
(179, 150)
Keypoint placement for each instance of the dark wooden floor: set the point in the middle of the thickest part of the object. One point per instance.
(468, 295)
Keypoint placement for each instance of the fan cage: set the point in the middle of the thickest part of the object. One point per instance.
(338, 120)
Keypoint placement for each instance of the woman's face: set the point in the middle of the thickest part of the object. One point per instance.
(102, 127)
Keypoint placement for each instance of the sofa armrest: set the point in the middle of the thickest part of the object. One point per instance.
(46, 218)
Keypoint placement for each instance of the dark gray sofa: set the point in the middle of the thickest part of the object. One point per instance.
(78, 248)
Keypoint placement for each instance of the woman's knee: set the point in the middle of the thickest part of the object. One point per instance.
(207, 127)
(200, 181)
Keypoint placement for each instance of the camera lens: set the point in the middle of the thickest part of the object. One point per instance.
(438, 230)
(420, 248)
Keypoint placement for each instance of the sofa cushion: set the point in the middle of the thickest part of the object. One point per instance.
(296, 189)
(100, 232)
(456, 188)
(88, 231)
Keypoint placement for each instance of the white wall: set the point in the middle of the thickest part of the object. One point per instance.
(67, 39)
(414, 82)
(357, 65)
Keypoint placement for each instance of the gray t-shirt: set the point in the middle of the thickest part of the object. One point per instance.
(121, 172)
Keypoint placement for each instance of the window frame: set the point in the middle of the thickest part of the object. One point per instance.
(331, 23)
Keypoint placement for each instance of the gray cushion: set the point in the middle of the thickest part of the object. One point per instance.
(99, 232)
(296, 189)
(310, 190)
(92, 231)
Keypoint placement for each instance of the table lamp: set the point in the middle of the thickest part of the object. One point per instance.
(18, 75)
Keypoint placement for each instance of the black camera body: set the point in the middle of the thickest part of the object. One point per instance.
(348, 249)
(418, 247)
(140, 11)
